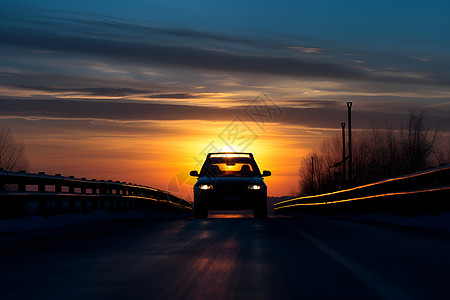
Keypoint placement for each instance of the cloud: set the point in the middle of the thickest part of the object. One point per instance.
(420, 58)
(182, 49)
(107, 110)
(92, 91)
(312, 103)
(175, 56)
(324, 115)
(173, 96)
(307, 49)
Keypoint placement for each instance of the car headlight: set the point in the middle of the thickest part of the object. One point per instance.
(254, 187)
(206, 186)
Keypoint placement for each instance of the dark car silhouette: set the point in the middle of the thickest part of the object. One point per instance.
(230, 181)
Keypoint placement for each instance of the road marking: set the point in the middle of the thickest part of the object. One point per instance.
(368, 277)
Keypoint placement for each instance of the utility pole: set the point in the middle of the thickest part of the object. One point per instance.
(350, 158)
(344, 169)
(312, 173)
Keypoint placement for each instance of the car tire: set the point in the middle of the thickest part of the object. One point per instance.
(260, 212)
(200, 212)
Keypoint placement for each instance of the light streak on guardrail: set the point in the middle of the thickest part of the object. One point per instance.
(382, 196)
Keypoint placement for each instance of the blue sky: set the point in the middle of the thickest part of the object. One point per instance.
(164, 62)
(417, 25)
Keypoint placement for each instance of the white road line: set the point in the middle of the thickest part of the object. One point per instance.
(368, 277)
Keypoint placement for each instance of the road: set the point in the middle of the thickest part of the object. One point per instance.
(226, 258)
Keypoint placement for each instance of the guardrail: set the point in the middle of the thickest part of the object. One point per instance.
(46, 195)
(415, 194)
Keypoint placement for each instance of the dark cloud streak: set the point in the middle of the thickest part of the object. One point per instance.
(144, 53)
(92, 91)
(145, 45)
(148, 54)
(173, 96)
(329, 116)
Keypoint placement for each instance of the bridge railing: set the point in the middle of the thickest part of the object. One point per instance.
(45, 195)
(426, 192)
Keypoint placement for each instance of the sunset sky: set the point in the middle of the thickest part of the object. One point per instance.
(140, 91)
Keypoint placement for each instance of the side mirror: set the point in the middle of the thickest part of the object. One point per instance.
(194, 174)
(266, 173)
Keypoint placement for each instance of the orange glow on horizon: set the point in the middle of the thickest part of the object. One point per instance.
(159, 154)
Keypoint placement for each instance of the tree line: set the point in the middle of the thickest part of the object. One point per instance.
(377, 154)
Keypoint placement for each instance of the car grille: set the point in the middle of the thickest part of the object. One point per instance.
(231, 189)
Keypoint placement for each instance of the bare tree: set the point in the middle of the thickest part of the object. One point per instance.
(12, 152)
(317, 170)
(377, 154)
(307, 182)
(441, 155)
(417, 144)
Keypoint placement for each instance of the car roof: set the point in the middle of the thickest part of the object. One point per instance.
(230, 154)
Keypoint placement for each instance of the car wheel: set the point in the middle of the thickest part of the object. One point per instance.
(260, 212)
(200, 212)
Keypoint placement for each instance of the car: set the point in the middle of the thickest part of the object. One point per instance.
(230, 181)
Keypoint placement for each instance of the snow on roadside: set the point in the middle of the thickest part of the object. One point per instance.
(440, 222)
(58, 221)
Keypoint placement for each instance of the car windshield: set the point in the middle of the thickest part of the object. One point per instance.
(230, 168)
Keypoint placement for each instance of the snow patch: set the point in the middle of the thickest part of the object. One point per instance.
(58, 221)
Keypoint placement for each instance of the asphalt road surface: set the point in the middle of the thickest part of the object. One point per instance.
(226, 258)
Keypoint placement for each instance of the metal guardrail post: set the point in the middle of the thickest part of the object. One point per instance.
(21, 187)
(83, 205)
(94, 204)
(71, 205)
